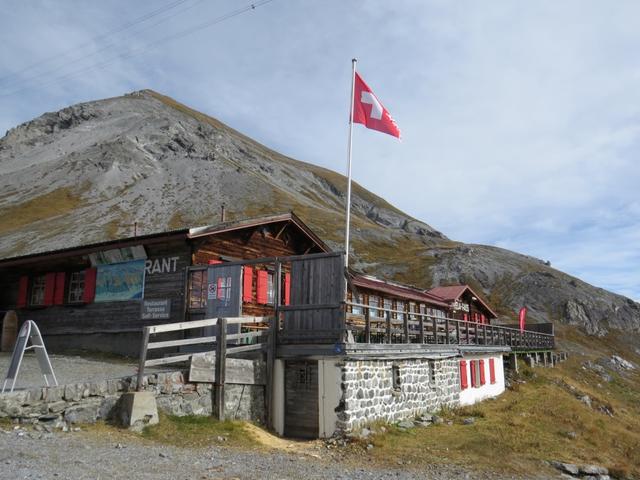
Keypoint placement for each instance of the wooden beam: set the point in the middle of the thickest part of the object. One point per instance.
(172, 327)
(281, 231)
(143, 357)
(178, 343)
(220, 368)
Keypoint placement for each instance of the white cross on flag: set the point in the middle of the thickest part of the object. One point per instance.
(368, 110)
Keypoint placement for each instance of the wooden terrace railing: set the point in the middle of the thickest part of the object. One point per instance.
(256, 338)
(423, 328)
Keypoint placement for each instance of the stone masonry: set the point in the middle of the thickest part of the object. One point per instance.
(88, 402)
(421, 386)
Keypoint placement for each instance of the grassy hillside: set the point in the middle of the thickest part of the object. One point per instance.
(540, 418)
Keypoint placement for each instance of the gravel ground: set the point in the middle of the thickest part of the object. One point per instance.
(69, 369)
(29, 454)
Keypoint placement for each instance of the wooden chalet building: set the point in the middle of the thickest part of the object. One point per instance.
(100, 296)
(387, 352)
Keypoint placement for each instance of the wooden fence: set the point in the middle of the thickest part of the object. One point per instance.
(254, 339)
(410, 327)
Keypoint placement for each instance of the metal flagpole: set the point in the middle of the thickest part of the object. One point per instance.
(348, 216)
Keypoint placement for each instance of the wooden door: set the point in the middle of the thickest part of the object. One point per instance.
(301, 399)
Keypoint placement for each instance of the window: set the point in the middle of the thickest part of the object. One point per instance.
(387, 306)
(412, 308)
(37, 290)
(492, 371)
(76, 287)
(474, 373)
(397, 381)
(198, 289)
(400, 308)
(373, 302)
(432, 372)
(271, 288)
(354, 309)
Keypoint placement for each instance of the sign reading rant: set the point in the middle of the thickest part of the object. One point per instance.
(156, 309)
(161, 265)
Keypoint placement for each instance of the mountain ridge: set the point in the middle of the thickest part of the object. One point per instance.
(88, 172)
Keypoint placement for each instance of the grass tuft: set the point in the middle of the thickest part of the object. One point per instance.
(198, 431)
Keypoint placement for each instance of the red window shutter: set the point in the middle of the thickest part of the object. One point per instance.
(465, 317)
(464, 382)
(214, 262)
(58, 296)
(261, 287)
(23, 290)
(287, 288)
(247, 284)
(492, 370)
(481, 366)
(483, 319)
(49, 288)
(219, 290)
(89, 285)
(474, 382)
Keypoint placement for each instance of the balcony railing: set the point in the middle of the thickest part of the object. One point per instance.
(422, 328)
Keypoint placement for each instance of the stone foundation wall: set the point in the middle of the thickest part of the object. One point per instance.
(88, 402)
(369, 393)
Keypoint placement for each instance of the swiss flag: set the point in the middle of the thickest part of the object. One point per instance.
(368, 110)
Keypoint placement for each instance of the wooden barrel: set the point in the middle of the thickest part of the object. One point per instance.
(9, 331)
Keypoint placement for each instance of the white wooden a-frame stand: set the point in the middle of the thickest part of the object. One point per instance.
(29, 331)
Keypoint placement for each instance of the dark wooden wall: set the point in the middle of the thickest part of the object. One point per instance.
(101, 317)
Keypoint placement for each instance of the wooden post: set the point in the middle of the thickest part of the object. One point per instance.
(406, 326)
(143, 357)
(467, 331)
(434, 326)
(475, 334)
(271, 360)
(272, 344)
(367, 326)
(484, 334)
(388, 326)
(421, 326)
(458, 332)
(221, 360)
(446, 329)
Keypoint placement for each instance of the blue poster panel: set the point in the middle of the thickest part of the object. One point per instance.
(120, 281)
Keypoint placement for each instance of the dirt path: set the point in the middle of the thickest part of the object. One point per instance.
(26, 453)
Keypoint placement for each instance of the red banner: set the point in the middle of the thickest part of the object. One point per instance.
(522, 318)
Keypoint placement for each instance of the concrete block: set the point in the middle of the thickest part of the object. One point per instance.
(137, 410)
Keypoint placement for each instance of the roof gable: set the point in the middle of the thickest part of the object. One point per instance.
(453, 293)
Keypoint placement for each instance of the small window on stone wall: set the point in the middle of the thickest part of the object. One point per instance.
(397, 384)
(432, 371)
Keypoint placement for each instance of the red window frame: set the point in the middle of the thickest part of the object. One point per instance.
(23, 291)
(262, 284)
(481, 368)
(464, 381)
(473, 368)
(247, 284)
(492, 371)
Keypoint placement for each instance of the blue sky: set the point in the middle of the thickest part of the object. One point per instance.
(520, 120)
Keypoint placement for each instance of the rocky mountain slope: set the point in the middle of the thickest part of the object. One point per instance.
(88, 172)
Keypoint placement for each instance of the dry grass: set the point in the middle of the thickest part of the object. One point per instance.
(531, 423)
(55, 203)
(199, 431)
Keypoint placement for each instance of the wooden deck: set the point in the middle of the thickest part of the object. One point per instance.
(429, 330)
